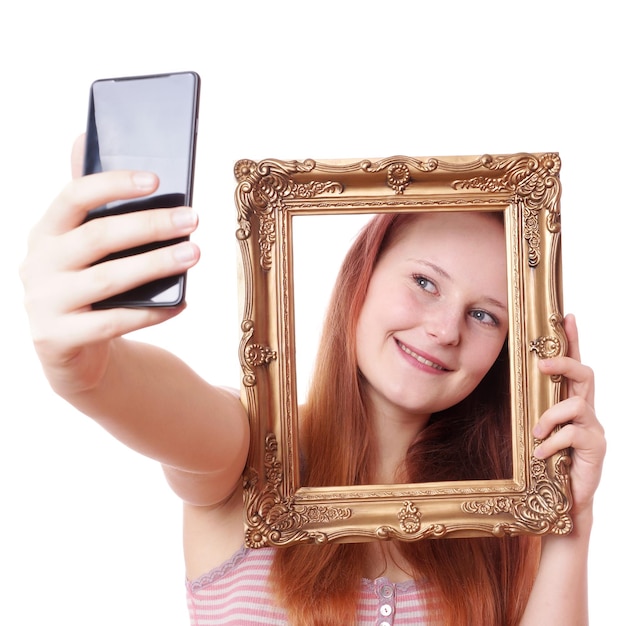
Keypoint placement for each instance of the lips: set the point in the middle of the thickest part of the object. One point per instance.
(421, 359)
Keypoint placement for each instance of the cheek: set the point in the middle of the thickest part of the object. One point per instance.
(406, 308)
(399, 309)
(389, 307)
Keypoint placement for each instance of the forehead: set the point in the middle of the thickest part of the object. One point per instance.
(447, 231)
(467, 248)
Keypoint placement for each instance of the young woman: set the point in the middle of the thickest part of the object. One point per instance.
(417, 343)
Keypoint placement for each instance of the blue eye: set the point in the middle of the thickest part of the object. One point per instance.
(425, 283)
(484, 318)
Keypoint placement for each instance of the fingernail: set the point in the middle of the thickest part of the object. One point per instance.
(184, 217)
(144, 180)
(538, 452)
(184, 253)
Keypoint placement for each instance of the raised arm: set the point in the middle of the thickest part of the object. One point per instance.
(559, 595)
(146, 397)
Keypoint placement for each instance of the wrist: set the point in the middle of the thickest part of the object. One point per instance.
(582, 523)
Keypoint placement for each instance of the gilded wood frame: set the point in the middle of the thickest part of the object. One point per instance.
(278, 510)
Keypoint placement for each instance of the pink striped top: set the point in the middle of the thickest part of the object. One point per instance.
(236, 594)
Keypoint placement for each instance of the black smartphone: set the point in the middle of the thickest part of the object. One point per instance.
(145, 123)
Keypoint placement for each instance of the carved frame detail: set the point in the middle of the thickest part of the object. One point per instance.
(527, 189)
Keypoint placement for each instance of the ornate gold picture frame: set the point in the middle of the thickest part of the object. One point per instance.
(270, 196)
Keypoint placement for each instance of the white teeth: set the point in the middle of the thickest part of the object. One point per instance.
(419, 358)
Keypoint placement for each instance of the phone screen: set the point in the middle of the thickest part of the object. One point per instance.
(145, 123)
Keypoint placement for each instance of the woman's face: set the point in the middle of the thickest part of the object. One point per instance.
(435, 314)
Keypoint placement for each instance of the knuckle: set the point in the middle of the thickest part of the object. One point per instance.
(153, 223)
(579, 405)
(94, 236)
(70, 194)
(105, 327)
(101, 279)
(160, 225)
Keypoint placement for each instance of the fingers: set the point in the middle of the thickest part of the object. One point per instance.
(579, 378)
(73, 331)
(61, 273)
(583, 435)
(587, 443)
(107, 279)
(571, 332)
(70, 207)
(571, 423)
(574, 415)
(577, 408)
(98, 238)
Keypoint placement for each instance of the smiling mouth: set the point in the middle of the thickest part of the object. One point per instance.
(421, 359)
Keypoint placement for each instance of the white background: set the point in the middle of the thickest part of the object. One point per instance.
(89, 533)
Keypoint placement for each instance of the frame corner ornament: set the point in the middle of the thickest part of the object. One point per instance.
(274, 519)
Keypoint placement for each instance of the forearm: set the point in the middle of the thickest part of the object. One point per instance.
(559, 594)
(154, 403)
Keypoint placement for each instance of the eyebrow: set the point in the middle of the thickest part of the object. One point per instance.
(439, 270)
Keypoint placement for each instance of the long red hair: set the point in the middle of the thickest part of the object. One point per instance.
(481, 581)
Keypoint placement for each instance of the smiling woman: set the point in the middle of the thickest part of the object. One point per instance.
(434, 317)
(417, 320)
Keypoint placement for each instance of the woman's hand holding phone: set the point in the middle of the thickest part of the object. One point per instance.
(62, 278)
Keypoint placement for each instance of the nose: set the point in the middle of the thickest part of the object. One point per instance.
(445, 328)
